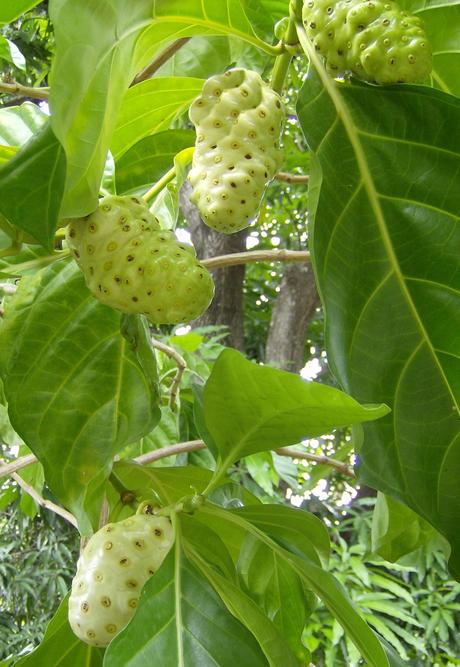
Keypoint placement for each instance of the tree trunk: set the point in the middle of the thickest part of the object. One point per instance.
(227, 305)
(296, 303)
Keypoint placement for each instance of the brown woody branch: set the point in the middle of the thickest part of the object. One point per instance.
(291, 178)
(160, 60)
(42, 501)
(181, 366)
(15, 88)
(344, 468)
(256, 256)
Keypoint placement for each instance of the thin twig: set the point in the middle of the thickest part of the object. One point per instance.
(180, 448)
(291, 178)
(181, 366)
(324, 460)
(160, 60)
(22, 462)
(15, 88)
(256, 256)
(48, 504)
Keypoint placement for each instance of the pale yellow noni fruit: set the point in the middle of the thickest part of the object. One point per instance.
(111, 571)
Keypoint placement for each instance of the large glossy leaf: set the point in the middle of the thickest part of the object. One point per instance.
(93, 67)
(149, 159)
(61, 648)
(304, 533)
(18, 124)
(276, 588)
(316, 579)
(32, 186)
(201, 57)
(181, 622)
(75, 389)
(250, 408)
(11, 9)
(150, 106)
(397, 530)
(274, 645)
(386, 243)
(246, 20)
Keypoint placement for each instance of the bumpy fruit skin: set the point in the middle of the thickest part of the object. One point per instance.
(132, 265)
(238, 120)
(373, 39)
(111, 571)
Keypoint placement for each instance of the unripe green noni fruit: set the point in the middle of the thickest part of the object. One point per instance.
(111, 571)
(238, 120)
(373, 39)
(132, 265)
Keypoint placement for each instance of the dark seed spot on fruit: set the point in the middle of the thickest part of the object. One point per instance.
(151, 570)
(117, 279)
(330, 10)
(122, 219)
(135, 299)
(132, 603)
(233, 184)
(265, 174)
(130, 258)
(106, 207)
(90, 634)
(107, 545)
(99, 287)
(105, 601)
(213, 146)
(313, 25)
(126, 228)
(132, 583)
(262, 113)
(231, 167)
(248, 156)
(136, 200)
(111, 628)
(126, 281)
(98, 577)
(90, 249)
(244, 92)
(92, 227)
(392, 61)
(84, 607)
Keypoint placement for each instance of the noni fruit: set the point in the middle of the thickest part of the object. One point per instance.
(111, 571)
(238, 120)
(375, 40)
(132, 265)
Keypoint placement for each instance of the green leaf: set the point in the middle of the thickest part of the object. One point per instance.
(19, 124)
(297, 530)
(61, 648)
(273, 644)
(10, 52)
(150, 107)
(207, 543)
(75, 390)
(201, 57)
(148, 160)
(93, 66)
(442, 24)
(32, 186)
(12, 9)
(319, 581)
(236, 17)
(397, 530)
(385, 245)
(171, 484)
(277, 590)
(182, 622)
(250, 408)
